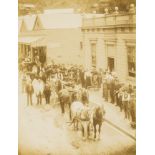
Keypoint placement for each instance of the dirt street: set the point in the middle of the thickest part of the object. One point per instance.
(43, 130)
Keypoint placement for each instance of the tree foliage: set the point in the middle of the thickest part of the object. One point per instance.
(123, 5)
(82, 5)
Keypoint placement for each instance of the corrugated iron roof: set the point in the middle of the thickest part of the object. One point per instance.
(53, 20)
(69, 10)
(29, 21)
(19, 24)
(29, 40)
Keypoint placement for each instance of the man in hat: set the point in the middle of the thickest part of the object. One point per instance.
(120, 94)
(40, 88)
(105, 90)
(24, 78)
(29, 91)
(47, 92)
(78, 78)
(82, 72)
(117, 87)
(112, 89)
(133, 110)
(109, 79)
(59, 75)
(125, 100)
(58, 85)
(65, 75)
(130, 89)
(88, 79)
(84, 96)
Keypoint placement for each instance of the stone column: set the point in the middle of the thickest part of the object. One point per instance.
(100, 54)
(104, 55)
(87, 53)
(121, 58)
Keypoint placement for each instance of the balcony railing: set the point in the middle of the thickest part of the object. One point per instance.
(109, 20)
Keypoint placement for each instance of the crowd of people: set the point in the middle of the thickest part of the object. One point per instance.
(120, 94)
(47, 80)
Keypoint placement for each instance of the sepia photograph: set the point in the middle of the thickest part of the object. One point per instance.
(76, 77)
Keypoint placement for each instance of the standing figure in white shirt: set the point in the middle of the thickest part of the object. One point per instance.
(38, 89)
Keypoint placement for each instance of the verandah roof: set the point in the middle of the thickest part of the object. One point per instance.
(33, 41)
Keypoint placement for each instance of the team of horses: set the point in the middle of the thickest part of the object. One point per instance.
(88, 118)
(82, 115)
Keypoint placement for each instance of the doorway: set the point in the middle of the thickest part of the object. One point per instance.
(111, 66)
(40, 52)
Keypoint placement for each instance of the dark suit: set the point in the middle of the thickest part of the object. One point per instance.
(112, 88)
(29, 91)
(82, 79)
(47, 93)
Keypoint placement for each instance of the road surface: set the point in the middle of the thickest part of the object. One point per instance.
(43, 131)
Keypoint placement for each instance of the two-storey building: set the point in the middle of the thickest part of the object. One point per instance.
(109, 42)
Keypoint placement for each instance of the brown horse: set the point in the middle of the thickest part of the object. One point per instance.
(97, 119)
(64, 98)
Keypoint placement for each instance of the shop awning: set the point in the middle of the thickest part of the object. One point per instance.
(33, 41)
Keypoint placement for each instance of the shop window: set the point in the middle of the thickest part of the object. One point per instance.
(93, 53)
(111, 64)
(42, 54)
(131, 61)
(39, 54)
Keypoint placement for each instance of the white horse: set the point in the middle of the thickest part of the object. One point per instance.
(80, 114)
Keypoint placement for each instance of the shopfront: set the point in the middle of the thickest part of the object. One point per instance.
(32, 49)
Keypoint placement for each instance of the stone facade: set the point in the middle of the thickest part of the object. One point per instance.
(104, 41)
(113, 35)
